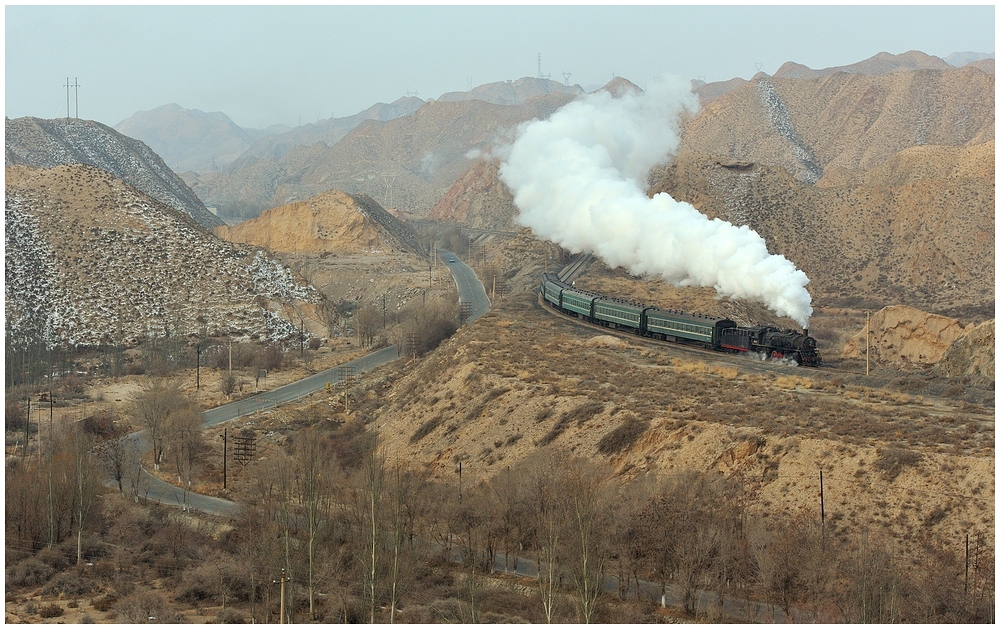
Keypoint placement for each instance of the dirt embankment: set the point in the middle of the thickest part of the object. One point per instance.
(910, 338)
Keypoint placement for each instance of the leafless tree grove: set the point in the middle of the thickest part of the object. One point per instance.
(361, 536)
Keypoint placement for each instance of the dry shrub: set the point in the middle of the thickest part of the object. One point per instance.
(50, 611)
(271, 359)
(426, 428)
(230, 616)
(145, 607)
(428, 325)
(581, 414)
(29, 573)
(623, 437)
(104, 603)
(68, 584)
(791, 382)
(13, 414)
(892, 461)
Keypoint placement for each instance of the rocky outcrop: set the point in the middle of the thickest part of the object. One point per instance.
(906, 337)
(972, 356)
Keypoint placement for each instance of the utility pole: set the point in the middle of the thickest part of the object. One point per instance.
(281, 608)
(460, 481)
(67, 98)
(868, 342)
(197, 367)
(822, 509)
(225, 454)
(27, 420)
(76, 84)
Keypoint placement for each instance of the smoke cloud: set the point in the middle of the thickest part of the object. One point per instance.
(578, 179)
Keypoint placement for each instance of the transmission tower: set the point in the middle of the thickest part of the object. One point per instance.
(76, 85)
(566, 76)
(540, 75)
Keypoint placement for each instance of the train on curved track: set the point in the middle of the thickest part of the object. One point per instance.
(723, 335)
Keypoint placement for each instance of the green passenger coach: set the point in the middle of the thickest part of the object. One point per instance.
(619, 314)
(671, 326)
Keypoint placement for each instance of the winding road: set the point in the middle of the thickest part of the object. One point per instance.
(470, 290)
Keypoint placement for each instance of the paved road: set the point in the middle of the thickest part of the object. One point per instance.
(470, 289)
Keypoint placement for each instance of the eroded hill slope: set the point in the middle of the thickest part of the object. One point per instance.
(330, 222)
(89, 259)
(48, 143)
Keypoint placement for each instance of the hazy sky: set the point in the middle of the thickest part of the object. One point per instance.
(262, 65)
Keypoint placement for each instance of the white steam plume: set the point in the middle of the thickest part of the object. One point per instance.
(578, 180)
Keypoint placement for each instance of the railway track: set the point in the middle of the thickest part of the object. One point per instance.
(931, 405)
(573, 270)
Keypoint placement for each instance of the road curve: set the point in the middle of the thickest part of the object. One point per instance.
(470, 290)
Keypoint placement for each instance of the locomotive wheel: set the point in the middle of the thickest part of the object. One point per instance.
(776, 355)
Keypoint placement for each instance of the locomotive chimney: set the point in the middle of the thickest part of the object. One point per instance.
(805, 332)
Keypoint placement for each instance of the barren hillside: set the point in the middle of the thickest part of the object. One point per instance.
(89, 259)
(330, 222)
(853, 121)
(917, 230)
(48, 143)
(522, 379)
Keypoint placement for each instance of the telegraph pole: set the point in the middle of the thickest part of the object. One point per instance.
(822, 508)
(281, 608)
(868, 343)
(225, 453)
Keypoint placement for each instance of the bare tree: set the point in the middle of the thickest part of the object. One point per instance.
(586, 492)
(152, 407)
(373, 477)
(876, 592)
(115, 455)
(186, 442)
(544, 526)
(315, 496)
(85, 486)
(368, 320)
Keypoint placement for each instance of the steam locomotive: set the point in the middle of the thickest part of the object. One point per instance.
(724, 335)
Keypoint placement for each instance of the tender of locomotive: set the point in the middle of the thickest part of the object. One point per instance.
(681, 327)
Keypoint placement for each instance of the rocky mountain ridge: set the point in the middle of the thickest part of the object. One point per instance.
(406, 163)
(89, 259)
(190, 139)
(882, 63)
(49, 143)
